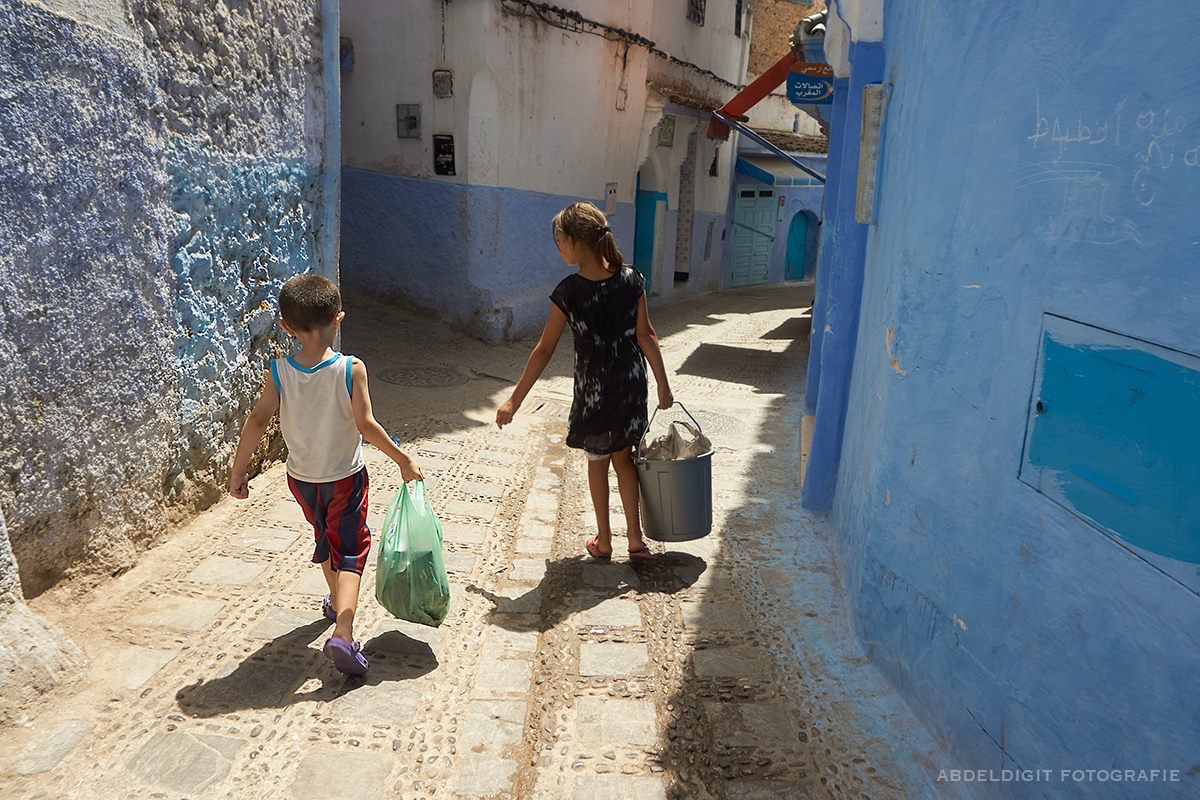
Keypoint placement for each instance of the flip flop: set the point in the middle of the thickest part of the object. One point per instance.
(327, 609)
(594, 550)
(346, 656)
(641, 554)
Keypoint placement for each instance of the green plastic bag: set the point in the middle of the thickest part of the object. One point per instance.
(410, 578)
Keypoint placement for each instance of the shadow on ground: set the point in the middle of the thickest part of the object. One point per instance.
(574, 585)
(271, 676)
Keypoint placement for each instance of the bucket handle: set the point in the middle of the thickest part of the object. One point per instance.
(676, 403)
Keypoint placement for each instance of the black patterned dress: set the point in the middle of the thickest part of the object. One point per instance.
(609, 410)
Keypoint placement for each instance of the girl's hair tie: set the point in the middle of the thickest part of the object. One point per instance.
(605, 230)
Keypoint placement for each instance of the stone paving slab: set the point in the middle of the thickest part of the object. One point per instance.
(325, 774)
(283, 621)
(612, 613)
(503, 677)
(729, 662)
(172, 611)
(753, 789)
(272, 540)
(136, 665)
(485, 776)
(610, 575)
(312, 582)
(46, 751)
(716, 614)
(500, 642)
(185, 762)
(607, 721)
(227, 571)
(470, 509)
(749, 724)
(528, 571)
(492, 725)
(613, 659)
(618, 787)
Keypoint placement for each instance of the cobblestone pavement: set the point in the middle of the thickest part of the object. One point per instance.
(723, 668)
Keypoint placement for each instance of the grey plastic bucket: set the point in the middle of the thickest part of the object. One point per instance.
(676, 496)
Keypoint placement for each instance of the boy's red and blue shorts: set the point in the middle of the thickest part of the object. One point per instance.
(338, 513)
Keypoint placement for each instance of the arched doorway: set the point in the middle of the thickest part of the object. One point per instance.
(800, 233)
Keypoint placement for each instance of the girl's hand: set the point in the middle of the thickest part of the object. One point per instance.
(410, 470)
(505, 413)
(665, 398)
(239, 486)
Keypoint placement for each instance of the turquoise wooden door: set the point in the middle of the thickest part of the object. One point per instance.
(797, 247)
(645, 215)
(753, 236)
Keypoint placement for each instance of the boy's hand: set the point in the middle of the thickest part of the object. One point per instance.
(410, 470)
(665, 398)
(505, 413)
(239, 486)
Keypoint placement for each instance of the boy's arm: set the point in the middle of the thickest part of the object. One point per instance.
(535, 366)
(648, 341)
(372, 431)
(252, 433)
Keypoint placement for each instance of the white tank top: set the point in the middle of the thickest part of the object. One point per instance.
(318, 425)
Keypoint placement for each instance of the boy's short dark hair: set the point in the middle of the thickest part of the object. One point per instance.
(309, 301)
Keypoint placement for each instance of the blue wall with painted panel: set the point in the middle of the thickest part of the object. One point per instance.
(1028, 579)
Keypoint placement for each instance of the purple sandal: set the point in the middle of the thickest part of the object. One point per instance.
(327, 609)
(346, 656)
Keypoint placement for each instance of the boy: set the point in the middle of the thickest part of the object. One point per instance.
(324, 413)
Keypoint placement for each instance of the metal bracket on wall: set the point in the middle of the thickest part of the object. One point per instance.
(750, 134)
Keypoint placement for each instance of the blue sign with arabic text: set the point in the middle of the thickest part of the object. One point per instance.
(809, 90)
(804, 90)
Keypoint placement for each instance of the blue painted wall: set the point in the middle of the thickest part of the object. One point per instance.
(842, 293)
(1024, 635)
(482, 256)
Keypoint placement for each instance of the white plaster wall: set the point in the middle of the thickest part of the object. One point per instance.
(534, 107)
(851, 20)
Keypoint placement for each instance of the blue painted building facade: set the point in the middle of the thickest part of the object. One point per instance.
(1005, 376)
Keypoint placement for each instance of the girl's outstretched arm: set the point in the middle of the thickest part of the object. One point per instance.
(648, 341)
(538, 360)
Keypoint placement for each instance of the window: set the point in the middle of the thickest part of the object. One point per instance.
(408, 120)
(695, 12)
(738, 13)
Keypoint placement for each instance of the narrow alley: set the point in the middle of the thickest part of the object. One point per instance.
(724, 668)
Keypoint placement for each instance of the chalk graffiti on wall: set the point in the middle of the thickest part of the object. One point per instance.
(1102, 161)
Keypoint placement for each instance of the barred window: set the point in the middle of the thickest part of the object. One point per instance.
(695, 11)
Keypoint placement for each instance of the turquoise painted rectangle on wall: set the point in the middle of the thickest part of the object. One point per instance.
(1114, 436)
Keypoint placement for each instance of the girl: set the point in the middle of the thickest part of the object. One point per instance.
(605, 305)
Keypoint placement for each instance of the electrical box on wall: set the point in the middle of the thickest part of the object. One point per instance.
(408, 120)
(443, 154)
(610, 198)
(443, 83)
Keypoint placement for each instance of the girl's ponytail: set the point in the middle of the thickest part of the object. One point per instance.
(606, 248)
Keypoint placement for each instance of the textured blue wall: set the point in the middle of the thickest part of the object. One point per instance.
(1021, 633)
(482, 256)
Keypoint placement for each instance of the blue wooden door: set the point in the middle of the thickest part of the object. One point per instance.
(753, 236)
(797, 247)
(646, 213)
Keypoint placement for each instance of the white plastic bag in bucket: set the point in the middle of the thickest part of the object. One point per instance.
(675, 476)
